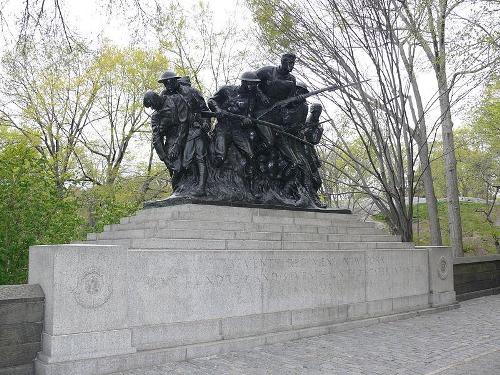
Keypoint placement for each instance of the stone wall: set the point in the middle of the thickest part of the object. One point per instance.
(21, 323)
(180, 282)
(476, 276)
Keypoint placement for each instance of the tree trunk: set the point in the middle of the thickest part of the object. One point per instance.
(450, 162)
(432, 206)
(423, 153)
(430, 196)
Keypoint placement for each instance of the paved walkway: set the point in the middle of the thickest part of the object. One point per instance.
(457, 342)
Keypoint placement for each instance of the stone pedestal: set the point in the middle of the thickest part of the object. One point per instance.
(86, 301)
(181, 282)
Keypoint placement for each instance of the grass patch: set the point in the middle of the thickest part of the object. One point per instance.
(477, 232)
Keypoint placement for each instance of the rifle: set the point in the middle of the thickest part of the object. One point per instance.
(275, 127)
(301, 97)
(303, 125)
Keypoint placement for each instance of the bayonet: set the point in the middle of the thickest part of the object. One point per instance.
(301, 97)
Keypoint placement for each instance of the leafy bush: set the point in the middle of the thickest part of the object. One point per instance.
(31, 210)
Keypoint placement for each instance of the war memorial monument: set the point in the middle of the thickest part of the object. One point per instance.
(243, 253)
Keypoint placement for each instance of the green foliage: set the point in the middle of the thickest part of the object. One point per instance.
(478, 234)
(133, 70)
(31, 209)
(107, 204)
(485, 127)
(52, 95)
(275, 22)
(124, 74)
(477, 149)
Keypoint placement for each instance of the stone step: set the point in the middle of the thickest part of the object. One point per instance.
(235, 214)
(206, 216)
(197, 244)
(190, 234)
(362, 228)
(355, 227)
(232, 210)
(344, 245)
(342, 237)
(239, 235)
(167, 244)
(176, 224)
(384, 237)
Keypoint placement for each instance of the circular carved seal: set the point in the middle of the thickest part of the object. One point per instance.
(93, 290)
(443, 268)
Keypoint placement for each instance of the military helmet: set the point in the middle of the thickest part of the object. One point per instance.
(302, 85)
(316, 107)
(186, 81)
(289, 55)
(250, 76)
(168, 74)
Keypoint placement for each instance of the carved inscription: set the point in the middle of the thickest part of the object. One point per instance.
(394, 274)
(303, 274)
(213, 284)
(382, 266)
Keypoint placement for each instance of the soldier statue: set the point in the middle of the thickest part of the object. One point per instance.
(312, 133)
(262, 148)
(180, 130)
(241, 100)
(278, 83)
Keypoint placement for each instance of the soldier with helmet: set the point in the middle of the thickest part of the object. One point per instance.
(180, 131)
(168, 124)
(262, 128)
(293, 119)
(241, 100)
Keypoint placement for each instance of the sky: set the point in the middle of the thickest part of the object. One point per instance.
(92, 20)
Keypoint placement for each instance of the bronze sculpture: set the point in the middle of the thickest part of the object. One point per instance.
(261, 149)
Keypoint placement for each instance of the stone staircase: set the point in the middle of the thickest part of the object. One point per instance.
(211, 227)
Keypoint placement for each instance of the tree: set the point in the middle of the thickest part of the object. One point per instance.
(211, 54)
(316, 27)
(477, 150)
(30, 18)
(51, 94)
(115, 153)
(427, 22)
(31, 209)
(340, 42)
(124, 76)
(484, 134)
(484, 127)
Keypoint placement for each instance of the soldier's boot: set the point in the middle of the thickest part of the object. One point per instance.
(313, 194)
(250, 177)
(174, 179)
(317, 201)
(255, 194)
(202, 179)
